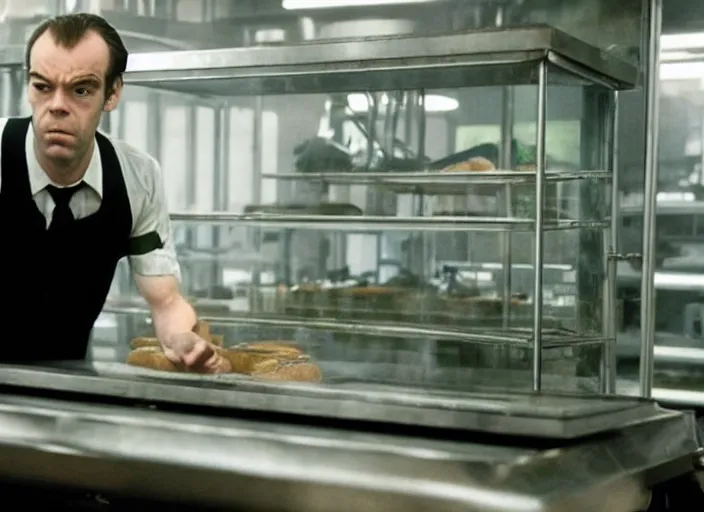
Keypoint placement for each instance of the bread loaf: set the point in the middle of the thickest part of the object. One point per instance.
(292, 371)
(202, 329)
(148, 352)
(143, 341)
(476, 164)
(245, 357)
(277, 347)
(270, 360)
(152, 358)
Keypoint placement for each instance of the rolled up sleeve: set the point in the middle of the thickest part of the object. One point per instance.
(151, 250)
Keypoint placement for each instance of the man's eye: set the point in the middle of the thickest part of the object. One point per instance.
(82, 91)
(41, 87)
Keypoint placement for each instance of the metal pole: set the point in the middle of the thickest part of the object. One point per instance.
(256, 303)
(541, 162)
(225, 156)
(610, 316)
(505, 163)
(647, 305)
(216, 270)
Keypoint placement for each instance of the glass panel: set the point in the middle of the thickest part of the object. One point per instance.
(444, 287)
(679, 336)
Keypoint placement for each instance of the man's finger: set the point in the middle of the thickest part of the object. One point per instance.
(199, 354)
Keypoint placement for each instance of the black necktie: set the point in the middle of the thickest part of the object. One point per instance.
(62, 215)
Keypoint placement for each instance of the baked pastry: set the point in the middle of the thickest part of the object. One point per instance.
(277, 347)
(291, 371)
(474, 164)
(148, 353)
(245, 357)
(270, 360)
(144, 341)
(153, 358)
(369, 291)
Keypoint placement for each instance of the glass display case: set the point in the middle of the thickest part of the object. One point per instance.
(407, 235)
(391, 236)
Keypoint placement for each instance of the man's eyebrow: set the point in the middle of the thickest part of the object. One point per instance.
(38, 76)
(83, 79)
(86, 79)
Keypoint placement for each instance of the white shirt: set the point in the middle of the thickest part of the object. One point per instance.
(145, 190)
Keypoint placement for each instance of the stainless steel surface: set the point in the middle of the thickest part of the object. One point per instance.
(518, 337)
(437, 183)
(611, 303)
(378, 64)
(287, 468)
(652, 100)
(508, 108)
(369, 223)
(515, 413)
(538, 258)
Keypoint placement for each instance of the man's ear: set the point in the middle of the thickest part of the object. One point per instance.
(113, 98)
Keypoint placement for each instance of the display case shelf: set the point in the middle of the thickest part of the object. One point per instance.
(433, 182)
(370, 223)
(478, 58)
(552, 338)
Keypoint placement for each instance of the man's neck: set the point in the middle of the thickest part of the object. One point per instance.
(65, 172)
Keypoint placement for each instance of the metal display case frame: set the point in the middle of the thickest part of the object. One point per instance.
(534, 55)
(525, 56)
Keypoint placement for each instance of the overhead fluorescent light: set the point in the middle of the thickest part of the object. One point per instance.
(325, 4)
(682, 71)
(674, 42)
(433, 102)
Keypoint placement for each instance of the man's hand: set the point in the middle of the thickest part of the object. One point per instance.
(194, 352)
(173, 320)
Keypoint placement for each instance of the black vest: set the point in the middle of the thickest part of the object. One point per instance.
(55, 283)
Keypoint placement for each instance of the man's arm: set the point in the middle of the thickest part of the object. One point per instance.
(174, 320)
(156, 272)
(171, 313)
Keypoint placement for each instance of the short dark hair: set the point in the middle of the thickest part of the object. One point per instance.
(69, 29)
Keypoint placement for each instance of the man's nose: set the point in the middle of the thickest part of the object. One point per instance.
(58, 103)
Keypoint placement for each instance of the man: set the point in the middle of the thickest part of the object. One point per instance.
(73, 202)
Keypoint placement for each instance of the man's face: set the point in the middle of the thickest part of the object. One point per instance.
(67, 95)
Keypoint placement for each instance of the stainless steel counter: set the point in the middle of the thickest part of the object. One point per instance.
(257, 466)
(514, 413)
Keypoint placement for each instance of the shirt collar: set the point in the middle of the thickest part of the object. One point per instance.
(38, 179)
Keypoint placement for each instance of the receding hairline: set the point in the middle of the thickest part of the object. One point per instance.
(72, 43)
(67, 31)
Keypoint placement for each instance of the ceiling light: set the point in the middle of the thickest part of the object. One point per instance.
(682, 71)
(433, 102)
(325, 4)
(673, 42)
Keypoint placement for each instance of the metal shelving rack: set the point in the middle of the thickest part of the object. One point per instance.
(539, 56)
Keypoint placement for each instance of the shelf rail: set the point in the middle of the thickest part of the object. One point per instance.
(552, 338)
